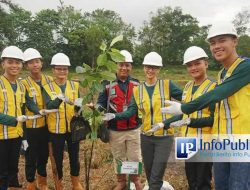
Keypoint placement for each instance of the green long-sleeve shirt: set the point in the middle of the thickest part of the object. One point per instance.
(54, 104)
(239, 78)
(195, 122)
(10, 120)
(175, 92)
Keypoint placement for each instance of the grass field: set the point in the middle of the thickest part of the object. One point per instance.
(102, 174)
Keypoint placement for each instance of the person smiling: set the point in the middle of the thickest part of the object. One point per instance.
(60, 94)
(36, 157)
(148, 98)
(124, 135)
(232, 98)
(12, 101)
(199, 123)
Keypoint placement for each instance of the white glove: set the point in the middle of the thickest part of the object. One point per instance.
(61, 97)
(78, 102)
(174, 108)
(154, 128)
(180, 123)
(64, 99)
(21, 118)
(67, 101)
(25, 145)
(42, 112)
(108, 116)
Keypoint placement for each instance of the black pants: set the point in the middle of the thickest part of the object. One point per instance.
(155, 153)
(36, 156)
(9, 157)
(58, 142)
(199, 175)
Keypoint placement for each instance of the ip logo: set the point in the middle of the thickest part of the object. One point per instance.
(185, 147)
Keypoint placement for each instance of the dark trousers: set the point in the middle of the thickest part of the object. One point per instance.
(36, 156)
(155, 153)
(199, 175)
(9, 157)
(58, 142)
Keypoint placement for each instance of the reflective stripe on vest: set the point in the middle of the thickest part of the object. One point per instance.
(206, 86)
(35, 91)
(59, 122)
(34, 99)
(57, 113)
(119, 101)
(226, 106)
(11, 105)
(5, 131)
(150, 109)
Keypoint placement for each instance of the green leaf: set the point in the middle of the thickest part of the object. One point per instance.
(98, 86)
(116, 57)
(108, 76)
(86, 66)
(112, 66)
(115, 50)
(84, 83)
(87, 98)
(116, 39)
(102, 59)
(103, 46)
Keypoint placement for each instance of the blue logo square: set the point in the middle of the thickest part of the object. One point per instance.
(185, 147)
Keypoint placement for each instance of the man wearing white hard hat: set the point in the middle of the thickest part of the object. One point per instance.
(232, 98)
(124, 134)
(197, 124)
(36, 156)
(148, 98)
(12, 101)
(61, 94)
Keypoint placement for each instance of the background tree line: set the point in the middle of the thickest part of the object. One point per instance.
(79, 34)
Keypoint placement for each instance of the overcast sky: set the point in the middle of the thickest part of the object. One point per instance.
(137, 11)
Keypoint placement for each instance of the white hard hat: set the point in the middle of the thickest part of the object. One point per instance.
(219, 28)
(31, 53)
(153, 59)
(192, 53)
(12, 52)
(127, 55)
(60, 59)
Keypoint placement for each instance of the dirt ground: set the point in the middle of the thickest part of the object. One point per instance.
(102, 175)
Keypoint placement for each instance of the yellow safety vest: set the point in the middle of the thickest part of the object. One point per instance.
(232, 113)
(59, 123)
(151, 112)
(11, 103)
(187, 96)
(34, 91)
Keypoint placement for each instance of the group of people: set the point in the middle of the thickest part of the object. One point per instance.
(24, 119)
(141, 116)
(207, 108)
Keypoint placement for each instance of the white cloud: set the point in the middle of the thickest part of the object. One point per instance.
(137, 11)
